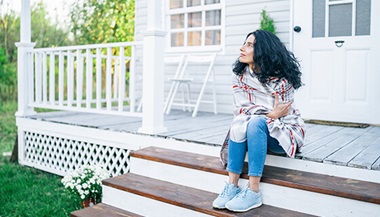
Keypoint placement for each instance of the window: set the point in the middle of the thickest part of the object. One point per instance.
(344, 18)
(195, 24)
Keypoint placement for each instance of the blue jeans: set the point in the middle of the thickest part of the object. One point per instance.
(257, 143)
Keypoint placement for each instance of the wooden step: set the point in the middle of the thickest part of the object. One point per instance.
(102, 210)
(186, 197)
(330, 185)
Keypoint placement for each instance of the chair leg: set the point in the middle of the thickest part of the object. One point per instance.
(140, 105)
(169, 97)
(172, 97)
(188, 97)
(214, 92)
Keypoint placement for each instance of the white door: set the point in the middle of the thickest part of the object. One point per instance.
(338, 45)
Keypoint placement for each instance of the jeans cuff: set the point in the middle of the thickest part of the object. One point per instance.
(233, 171)
(255, 174)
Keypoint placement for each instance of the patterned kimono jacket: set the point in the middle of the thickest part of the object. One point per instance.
(252, 98)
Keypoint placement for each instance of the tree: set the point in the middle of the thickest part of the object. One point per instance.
(44, 32)
(102, 21)
(9, 30)
(266, 22)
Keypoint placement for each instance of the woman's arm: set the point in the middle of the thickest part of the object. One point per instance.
(279, 110)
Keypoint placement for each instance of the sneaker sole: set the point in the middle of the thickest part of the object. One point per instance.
(217, 207)
(245, 210)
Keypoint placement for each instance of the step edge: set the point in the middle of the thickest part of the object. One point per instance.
(210, 211)
(265, 178)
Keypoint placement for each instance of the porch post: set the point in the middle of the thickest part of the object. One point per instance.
(153, 71)
(23, 73)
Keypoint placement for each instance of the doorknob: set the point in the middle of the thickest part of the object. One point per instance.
(297, 29)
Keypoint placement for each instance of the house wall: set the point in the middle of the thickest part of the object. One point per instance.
(241, 17)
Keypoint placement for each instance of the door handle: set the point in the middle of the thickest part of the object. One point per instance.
(297, 29)
(339, 43)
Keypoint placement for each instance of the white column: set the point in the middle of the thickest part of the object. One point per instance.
(153, 71)
(23, 59)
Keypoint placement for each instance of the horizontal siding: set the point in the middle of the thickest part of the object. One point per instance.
(242, 16)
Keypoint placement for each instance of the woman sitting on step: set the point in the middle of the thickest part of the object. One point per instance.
(265, 77)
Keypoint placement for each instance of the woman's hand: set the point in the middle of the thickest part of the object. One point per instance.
(279, 110)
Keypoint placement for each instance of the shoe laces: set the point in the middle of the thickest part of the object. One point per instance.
(243, 193)
(227, 190)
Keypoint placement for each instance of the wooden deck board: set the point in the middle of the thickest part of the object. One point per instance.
(354, 147)
(368, 156)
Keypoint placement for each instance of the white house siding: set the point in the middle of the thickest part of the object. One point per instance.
(241, 17)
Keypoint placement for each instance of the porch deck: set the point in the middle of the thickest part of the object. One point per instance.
(345, 146)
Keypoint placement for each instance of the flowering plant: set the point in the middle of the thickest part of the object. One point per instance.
(86, 182)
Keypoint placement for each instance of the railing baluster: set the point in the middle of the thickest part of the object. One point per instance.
(31, 78)
(98, 79)
(79, 78)
(38, 78)
(61, 78)
(70, 78)
(121, 79)
(52, 79)
(44, 77)
(88, 78)
(132, 79)
(109, 79)
(116, 77)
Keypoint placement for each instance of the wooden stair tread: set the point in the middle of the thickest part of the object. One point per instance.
(186, 197)
(102, 210)
(337, 186)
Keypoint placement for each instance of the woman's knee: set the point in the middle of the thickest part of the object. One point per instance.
(257, 123)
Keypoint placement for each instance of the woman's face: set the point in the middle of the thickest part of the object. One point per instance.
(246, 51)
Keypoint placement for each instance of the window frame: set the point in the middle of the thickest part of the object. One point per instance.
(185, 10)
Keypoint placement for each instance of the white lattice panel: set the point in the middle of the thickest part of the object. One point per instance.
(66, 154)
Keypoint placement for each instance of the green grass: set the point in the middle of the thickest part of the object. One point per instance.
(25, 191)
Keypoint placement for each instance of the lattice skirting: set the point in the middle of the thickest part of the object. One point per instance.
(65, 154)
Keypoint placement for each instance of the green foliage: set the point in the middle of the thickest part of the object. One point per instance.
(8, 78)
(25, 191)
(102, 21)
(7, 126)
(266, 22)
(30, 192)
(44, 32)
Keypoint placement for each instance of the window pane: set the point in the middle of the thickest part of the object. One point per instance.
(194, 38)
(191, 3)
(177, 39)
(195, 19)
(176, 4)
(213, 18)
(208, 2)
(340, 20)
(177, 21)
(212, 37)
(319, 18)
(363, 17)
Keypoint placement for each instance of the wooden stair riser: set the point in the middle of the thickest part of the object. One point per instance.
(274, 195)
(144, 206)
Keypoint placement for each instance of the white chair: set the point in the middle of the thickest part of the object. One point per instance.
(176, 61)
(184, 78)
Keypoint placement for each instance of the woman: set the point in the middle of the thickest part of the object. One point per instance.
(265, 77)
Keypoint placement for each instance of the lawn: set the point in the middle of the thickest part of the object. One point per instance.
(25, 191)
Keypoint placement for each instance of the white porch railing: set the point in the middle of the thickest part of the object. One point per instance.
(98, 78)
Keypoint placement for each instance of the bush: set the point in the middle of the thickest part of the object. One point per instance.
(8, 78)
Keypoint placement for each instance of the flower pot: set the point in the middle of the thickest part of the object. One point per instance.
(88, 202)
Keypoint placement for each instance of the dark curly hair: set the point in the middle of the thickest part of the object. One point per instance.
(271, 59)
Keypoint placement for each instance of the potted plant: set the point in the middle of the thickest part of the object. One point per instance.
(86, 184)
